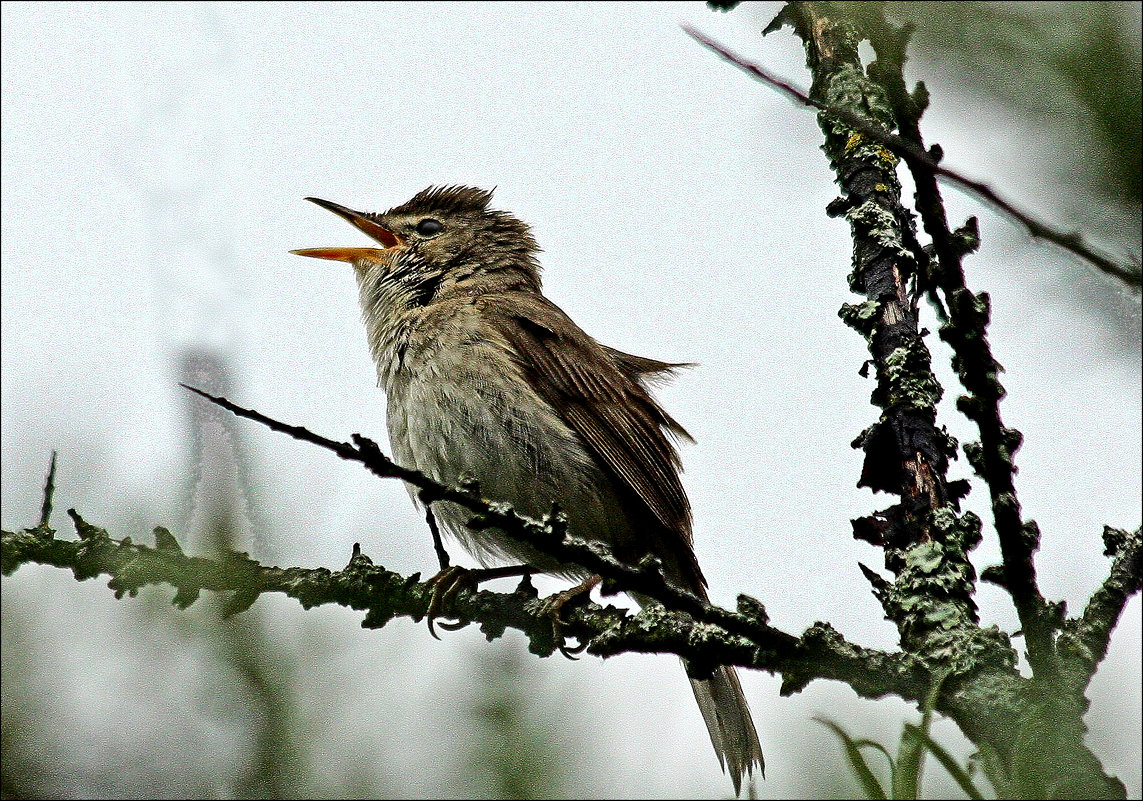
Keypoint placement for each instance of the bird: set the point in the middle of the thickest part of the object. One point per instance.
(487, 379)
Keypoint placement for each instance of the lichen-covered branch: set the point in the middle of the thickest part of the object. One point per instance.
(925, 538)
(548, 535)
(1072, 241)
(964, 327)
(985, 695)
(1084, 641)
(1034, 728)
(384, 595)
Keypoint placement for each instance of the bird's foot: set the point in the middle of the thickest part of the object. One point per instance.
(448, 583)
(554, 605)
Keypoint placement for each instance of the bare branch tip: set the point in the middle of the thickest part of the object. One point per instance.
(49, 493)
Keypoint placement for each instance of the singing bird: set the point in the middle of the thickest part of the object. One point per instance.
(487, 378)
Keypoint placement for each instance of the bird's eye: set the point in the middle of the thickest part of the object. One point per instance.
(429, 227)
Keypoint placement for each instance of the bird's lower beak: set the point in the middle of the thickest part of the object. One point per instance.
(351, 255)
(361, 221)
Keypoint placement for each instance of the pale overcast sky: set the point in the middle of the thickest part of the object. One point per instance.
(155, 158)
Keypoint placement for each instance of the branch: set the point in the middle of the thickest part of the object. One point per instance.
(548, 535)
(1084, 641)
(384, 595)
(1071, 241)
(820, 653)
(925, 539)
(748, 640)
(1036, 726)
(965, 329)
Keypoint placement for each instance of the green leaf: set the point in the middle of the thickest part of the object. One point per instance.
(911, 753)
(910, 763)
(869, 783)
(945, 758)
(874, 744)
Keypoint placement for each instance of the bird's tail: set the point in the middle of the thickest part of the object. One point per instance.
(725, 712)
(729, 723)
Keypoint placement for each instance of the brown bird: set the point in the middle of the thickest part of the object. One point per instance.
(487, 378)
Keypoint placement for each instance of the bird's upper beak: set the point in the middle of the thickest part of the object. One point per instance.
(361, 221)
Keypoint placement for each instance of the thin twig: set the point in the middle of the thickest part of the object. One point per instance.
(1072, 242)
(49, 492)
(547, 536)
(1093, 630)
(438, 543)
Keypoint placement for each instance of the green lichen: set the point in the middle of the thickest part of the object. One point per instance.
(958, 530)
(862, 317)
(933, 588)
(966, 649)
(873, 221)
(910, 378)
(850, 88)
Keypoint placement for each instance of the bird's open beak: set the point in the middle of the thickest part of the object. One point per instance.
(362, 222)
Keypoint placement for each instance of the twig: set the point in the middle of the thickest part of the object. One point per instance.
(438, 543)
(49, 491)
(1072, 242)
(547, 535)
(1093, 630)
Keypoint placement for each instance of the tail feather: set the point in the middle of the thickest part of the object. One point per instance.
(725, 711)
(729, 723)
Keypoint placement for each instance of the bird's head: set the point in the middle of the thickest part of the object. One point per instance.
(443, 239)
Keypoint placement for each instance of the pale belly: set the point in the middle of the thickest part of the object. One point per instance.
(460, 417)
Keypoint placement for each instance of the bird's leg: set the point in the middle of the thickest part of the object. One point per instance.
(451, 580)
(553, 605)
(438, 544)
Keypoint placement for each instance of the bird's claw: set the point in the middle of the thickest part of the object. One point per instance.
(445, 586)
(570, 652)
(554, 605)
(448, 583)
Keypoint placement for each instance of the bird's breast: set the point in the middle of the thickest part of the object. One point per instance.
(459, 406)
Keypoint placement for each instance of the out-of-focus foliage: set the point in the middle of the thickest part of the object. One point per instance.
(24, 745)
(1074, 67)
(514, 754)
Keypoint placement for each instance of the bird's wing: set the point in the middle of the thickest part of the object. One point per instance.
(644, 371)
(597, 393)
(641, 366)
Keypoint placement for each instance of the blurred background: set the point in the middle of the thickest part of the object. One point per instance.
(155, 158)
